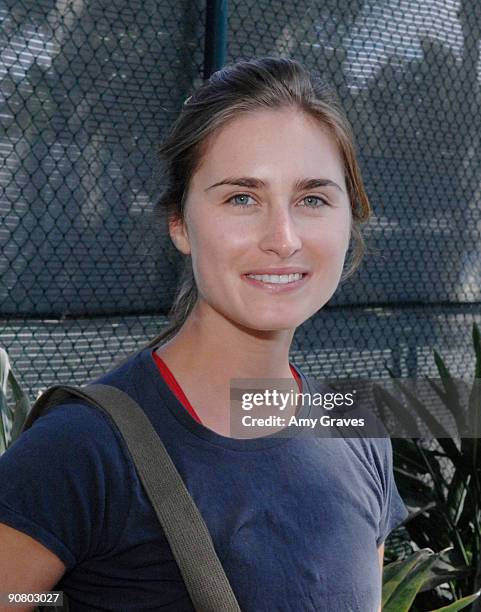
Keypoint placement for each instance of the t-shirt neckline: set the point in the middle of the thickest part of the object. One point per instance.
(179, 412)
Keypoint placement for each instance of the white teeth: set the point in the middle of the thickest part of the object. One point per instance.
(277, 278)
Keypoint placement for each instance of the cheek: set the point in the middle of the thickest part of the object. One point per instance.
(213, 255)
(330, 243)
(217, 241)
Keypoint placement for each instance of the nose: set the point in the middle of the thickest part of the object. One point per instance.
(280, 235)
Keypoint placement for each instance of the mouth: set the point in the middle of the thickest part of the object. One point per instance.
(277, 283)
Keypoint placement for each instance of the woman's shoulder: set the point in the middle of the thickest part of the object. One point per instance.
(79, 422)
(75, 425)
(69, 435)
(67, 482)
(76, 431)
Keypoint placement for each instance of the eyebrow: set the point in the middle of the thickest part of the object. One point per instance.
(255, 183)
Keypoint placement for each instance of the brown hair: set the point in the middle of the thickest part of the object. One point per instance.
(244, 87)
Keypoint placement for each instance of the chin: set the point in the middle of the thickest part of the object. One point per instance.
(270, 323)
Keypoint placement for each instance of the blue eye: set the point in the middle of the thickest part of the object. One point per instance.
(324, 203)
(319, 202)
(239, 195)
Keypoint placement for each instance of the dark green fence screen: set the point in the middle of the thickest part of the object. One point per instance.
(88, 88)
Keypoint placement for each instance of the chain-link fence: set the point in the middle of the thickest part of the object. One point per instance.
(89, 88)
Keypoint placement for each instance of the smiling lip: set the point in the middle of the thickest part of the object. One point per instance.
(279, 271)
(276, 287)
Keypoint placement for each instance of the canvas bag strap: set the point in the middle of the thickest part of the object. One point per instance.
(184, 527)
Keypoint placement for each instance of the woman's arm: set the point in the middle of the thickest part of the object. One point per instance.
(26, 566)
(381, 563)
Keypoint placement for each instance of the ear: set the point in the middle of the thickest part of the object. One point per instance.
(179, 236)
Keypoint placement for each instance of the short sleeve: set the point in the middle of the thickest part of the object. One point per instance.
(394, 511)
(65, 482)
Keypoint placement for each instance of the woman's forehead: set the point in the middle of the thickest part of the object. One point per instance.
(269, 140)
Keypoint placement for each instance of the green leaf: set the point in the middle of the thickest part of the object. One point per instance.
(474, 425)
(405, 452)
(22, 405)
(451, 397)
(3, 411)
(459, 604)
(477, 350)
(384, 398)
(395, 573)
(406, 590)
(474, 416)
(4, 369)
(458, 488)
(447, 444)
(444, 571)
(423, 412)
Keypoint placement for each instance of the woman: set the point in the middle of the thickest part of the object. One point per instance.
(263, 195)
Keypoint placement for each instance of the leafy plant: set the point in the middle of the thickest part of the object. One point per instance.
(402, 581)
(441, 482)
(11, 419)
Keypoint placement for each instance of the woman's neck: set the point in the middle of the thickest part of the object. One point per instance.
(209, 351)
(223, 349)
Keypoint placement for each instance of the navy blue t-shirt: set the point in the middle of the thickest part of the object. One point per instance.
(295, 522)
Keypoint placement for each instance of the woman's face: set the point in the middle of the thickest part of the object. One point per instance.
(263, 220)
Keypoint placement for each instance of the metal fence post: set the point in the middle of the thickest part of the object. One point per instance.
(215, 36)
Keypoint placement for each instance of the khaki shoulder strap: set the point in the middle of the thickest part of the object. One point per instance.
(180, 518)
